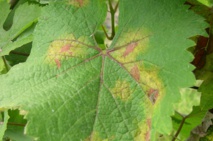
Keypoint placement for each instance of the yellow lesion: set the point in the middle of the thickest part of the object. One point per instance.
(95, 136)
(66, 47)
(143, 133)
(121, 90)
(78, 3)
(148, 78)
(130, 45)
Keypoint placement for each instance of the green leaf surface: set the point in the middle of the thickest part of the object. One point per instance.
(207, 92)
(3, 68)
(15, 127)
(22, 17)
(208, 3)
(3, 124)
(4, 10)
(70, 88)
(192, 120)
(19, 55)
(202, 10)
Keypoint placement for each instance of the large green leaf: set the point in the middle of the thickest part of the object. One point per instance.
(70, 89)
(21, 18)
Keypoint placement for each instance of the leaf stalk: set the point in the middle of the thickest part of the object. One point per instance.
(19, 53)
(112, 13)
(5, 64)
(180, 127)
(16, 124)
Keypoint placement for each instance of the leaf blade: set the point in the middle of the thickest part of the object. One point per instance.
(106, 93)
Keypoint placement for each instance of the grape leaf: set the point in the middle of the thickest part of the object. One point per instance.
(4, 11)
(3, 69)
(25, 16)
(3, 125)
(70, 88)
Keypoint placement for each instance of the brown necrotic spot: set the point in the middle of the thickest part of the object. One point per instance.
(66, 48)
(130, 48)
(143, 133)
(153, 95)
(58, 63)
(80, 2)
(130, 45)
(148, 133)
(147, 75)
(135, 72)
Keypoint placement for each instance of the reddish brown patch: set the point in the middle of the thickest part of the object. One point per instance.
(58, 63)
(153, 95)
(65, 48)
(130, 48)
(81, 2)
(135, 73)
(149, 123)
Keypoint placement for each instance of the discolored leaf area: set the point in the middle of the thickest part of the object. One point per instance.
(189, 98)
(71, 89)
(15, 22)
